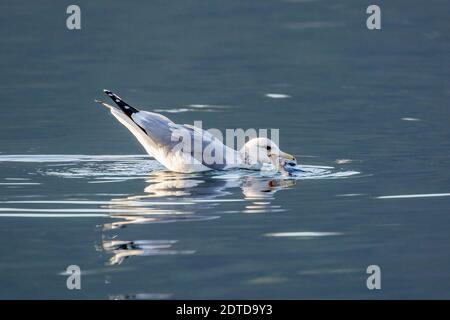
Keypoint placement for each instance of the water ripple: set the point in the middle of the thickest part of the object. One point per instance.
(162, 197)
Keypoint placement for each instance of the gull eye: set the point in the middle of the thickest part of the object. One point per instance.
(269, 148)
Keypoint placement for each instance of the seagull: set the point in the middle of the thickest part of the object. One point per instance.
(184, 148)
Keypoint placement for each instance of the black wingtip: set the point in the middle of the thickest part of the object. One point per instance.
(125, 107)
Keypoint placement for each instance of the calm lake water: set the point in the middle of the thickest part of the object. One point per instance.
(366, 111)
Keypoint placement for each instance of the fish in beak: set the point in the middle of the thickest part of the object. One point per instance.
(288, 158)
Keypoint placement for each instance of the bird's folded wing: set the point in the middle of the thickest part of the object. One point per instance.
(157, 127)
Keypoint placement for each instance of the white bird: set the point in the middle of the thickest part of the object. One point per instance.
(185, 148)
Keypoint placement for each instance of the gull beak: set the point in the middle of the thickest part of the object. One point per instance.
(287, 157)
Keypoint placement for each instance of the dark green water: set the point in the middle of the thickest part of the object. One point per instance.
(375, 103)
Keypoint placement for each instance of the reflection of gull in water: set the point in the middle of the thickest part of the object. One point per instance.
(168, 198)
(264, 188)
(261, 191)
(184, 148)
(166, 184)
(125, 249)
(186, 198)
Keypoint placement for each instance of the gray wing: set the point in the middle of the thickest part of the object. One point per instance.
(212, 153)
(172, 137)
(158, 127)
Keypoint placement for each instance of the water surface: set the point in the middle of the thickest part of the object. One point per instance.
(366, 111)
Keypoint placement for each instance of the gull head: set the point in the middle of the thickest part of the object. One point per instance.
(259, 151)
